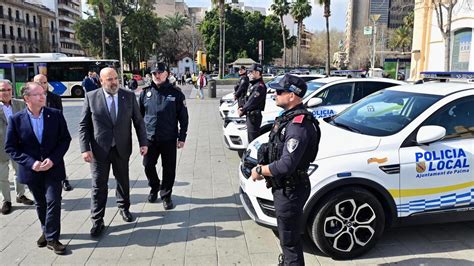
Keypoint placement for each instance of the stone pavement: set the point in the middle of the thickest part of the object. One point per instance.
(208, 226)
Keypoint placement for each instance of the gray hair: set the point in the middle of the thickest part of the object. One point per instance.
(6, 81)
(25, 91)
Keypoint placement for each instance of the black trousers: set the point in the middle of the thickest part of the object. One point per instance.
(167, 150)
(253, 121)
(100, 178)
(47, 193)
(289, 203)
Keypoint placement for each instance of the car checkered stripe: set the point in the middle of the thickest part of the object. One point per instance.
(444, 202)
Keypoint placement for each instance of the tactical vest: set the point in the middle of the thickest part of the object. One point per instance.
(272, 151)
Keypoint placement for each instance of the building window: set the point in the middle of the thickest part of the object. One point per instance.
(17, 14)
(12, 36)
(3, 31)
(10, 13)
(36, 36)
(29, 35)
(34, 21)
(20, 49)
(1, 11)
(13, 49)
(462, 46)
(27, 19)
(30, 50)
(19, 33)
(52, 25)
(5, 49)
(54, 40)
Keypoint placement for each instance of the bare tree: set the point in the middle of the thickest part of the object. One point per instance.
(360, 53)
(444, 10)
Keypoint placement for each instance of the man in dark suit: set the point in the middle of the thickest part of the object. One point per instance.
(37, 139)
(52, 101)
(105, 135)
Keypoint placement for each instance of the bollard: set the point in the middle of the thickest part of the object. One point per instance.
(212, 88)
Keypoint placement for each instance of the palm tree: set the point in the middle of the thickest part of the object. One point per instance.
(221, 33)
(401, 38)
(281, 8)
(176, 23)
(99, 7)
(300, 9)
(327, 14)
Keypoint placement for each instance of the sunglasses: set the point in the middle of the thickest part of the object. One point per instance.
(280, 92)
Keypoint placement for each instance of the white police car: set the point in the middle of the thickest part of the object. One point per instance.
(335, 94)
(228, 106)
(400, 155)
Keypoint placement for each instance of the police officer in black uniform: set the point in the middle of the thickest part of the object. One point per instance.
(255, 102)
(162, 106)
(240, 89)
(284, 162)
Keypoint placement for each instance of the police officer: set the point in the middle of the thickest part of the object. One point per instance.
(284, 162)
(255, 102)
(162, 106)
(240, 89)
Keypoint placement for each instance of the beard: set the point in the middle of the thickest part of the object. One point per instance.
(113, 89)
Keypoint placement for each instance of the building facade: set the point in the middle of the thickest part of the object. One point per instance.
(428, 50)
(68, 12)
(27, 28)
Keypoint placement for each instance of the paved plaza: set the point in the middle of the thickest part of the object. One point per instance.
(208, 226)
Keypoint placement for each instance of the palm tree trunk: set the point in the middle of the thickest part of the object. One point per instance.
(328, 47)
(298, 49)
(102, 28)
(284, 40)
(221, 37)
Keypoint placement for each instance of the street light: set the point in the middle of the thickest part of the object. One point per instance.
(119, 19)
(374, 18)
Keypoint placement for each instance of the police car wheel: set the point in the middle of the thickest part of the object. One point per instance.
(348, 223)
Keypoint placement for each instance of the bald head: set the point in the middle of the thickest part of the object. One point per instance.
(41, 80)
(109, 80)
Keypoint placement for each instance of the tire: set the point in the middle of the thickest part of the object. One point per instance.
(77, 92)
(348, 223)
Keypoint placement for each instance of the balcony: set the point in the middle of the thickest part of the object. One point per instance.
(21, 39)
(19, 20)
(69, 8)
(66, 18)
(66, 29)
(5, 37)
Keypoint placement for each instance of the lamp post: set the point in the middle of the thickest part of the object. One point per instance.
(193, 21)
(119, 20)
(374, 18)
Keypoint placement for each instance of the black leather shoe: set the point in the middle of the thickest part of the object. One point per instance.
(152, 196)
(42, 241)
(57, 247)
(23, 199)
(6, 207)
(66, 185)
(97, 229)
(168, 203)
(126, 215)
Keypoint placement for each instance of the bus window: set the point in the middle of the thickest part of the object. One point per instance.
(24, 72)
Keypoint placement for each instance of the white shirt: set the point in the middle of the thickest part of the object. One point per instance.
(7, 110)
(108, 99)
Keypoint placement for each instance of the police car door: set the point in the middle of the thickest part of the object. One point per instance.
(439, 176)
(335, 98)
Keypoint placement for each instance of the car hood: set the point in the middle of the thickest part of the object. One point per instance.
(334, 141)
(229, 96)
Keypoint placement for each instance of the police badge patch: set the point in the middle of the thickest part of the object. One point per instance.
(291, 145)
(148, 94)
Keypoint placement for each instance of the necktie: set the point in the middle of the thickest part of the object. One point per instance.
(113, 113)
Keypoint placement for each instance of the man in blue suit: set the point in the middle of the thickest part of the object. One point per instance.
(37, 139)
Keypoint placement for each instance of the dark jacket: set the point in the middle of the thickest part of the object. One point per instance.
(257, 97)
(89, 84)
(96, 128)
(162, 107)
(54, 101)
(24, 148)
(241, 89)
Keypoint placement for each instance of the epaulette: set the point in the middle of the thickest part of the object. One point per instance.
(298, 119)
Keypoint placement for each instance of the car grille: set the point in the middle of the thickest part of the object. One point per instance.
(247, 164)
(267, 206)
(391, 169)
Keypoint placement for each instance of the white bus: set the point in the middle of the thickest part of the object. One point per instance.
(65, 74)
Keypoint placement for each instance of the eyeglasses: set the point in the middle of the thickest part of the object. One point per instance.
(37, 94)
(280, 92)
(158, 72)
(3, 90)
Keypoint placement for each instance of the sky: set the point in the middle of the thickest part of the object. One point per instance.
(337, 19)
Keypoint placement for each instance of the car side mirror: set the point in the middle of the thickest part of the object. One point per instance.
(314, 102)
(430, 134)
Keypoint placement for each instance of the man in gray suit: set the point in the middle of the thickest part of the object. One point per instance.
(105, 139)
(9, 106)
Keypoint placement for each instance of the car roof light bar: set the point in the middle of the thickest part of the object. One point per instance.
(444, 76)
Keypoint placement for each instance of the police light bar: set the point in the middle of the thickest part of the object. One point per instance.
(443, 76)
(354, 73)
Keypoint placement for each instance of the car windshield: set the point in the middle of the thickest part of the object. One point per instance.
(383, 113)
(312, 86)
(273, 84)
